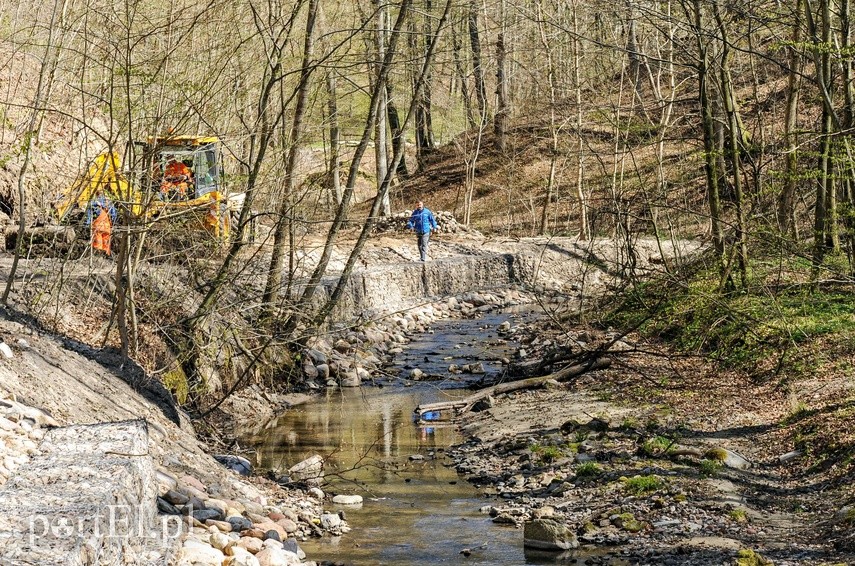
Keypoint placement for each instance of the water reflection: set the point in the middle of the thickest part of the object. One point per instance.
(416, 509)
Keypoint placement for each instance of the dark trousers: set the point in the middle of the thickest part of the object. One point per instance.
(423, 245)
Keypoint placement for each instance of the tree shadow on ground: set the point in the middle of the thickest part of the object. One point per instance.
(151, 389)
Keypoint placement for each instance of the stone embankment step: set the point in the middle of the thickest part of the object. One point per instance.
(87, 497)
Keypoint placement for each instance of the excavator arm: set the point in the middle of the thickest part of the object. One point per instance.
(103, 177)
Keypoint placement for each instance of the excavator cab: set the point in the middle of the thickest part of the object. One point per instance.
(187, 176)
(185, 168)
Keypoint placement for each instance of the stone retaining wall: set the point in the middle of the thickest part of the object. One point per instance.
(87, 497)
(385, 288)
(561, 264)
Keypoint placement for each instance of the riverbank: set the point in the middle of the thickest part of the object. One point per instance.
(660, 459)
(76, 384)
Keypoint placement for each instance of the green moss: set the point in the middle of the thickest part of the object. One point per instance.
(710, 468)
(738, 515)
(747, 557)
(657, 445)
(628, 522)
(717, 454)
(588, 528)
(588, 469)
(757, 330)
(175, 381)
(641, 485)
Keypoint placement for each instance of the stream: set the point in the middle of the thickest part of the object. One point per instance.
(416, 510)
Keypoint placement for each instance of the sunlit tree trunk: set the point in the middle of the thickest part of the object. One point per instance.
(333, 170)
(787, 198)
(708, 128)
(281, 234)
(425, 142)
(381, 159)
(584, 230)
(461, 75)
(500, 121)
(734, 146)
(553, 122)
(477, 69)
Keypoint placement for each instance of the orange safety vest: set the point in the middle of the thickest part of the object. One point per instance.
(176, 177)
(102, 227)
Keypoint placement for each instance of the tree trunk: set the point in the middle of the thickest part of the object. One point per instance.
(397, 132)
(820, 219)
(734, 146)
(477, 70)
(553, 123)
(636, 62)
(334, 168)
(584, 230)
(281, 233)
(709, 135)
(500, 121)
(465, 404)
(787, 198)
(425, 142)
(381, 158)
(461, 77)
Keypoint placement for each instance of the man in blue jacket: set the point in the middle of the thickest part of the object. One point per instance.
(423, 222)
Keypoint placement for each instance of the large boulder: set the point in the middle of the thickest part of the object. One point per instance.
(548, 534)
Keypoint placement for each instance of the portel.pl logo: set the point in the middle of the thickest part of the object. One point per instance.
(113, 521)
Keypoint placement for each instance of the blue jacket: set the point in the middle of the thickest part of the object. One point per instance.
(96, 206)
(422, 220)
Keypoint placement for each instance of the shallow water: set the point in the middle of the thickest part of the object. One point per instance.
(414, 511)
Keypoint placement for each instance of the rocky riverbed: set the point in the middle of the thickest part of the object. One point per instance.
(609, 465)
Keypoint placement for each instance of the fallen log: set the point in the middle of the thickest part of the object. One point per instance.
(465, 404)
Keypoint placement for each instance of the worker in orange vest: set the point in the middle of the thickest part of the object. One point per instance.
(177, 178)
(100, 217)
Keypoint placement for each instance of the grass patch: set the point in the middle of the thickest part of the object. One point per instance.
(657, 446)
(546, 454)
(747, 557)
(757, 330)
(826, 438)
(176, 382)
(588, 470)
(738, 515)
(642, 485)
(710, 468)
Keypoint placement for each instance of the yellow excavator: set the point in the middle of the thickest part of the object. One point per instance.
(183, 178)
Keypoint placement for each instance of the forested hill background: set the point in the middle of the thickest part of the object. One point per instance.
(728, 122)
(724, 119)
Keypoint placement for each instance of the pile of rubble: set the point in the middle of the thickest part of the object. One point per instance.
(398, 223)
